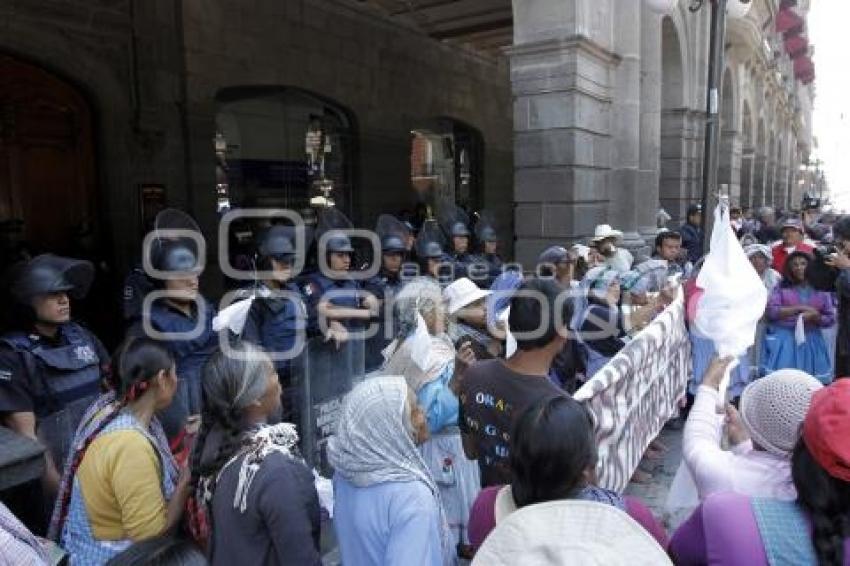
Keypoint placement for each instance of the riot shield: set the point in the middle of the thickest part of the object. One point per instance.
(325, 373)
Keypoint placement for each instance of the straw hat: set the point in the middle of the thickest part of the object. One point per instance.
(461, 293)
(569, 532)
(604, 232)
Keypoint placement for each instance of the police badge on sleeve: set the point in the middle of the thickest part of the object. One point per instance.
(85, 354)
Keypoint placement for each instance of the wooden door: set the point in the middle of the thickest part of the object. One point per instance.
(47, 173)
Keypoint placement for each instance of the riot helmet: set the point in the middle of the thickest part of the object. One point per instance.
(459, 229)
(339, 242)
(392, 233)
(48, 273)
(392, 244)
(177, 257)
(277, 243)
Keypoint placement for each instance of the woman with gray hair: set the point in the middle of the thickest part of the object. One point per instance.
(426, 357)
(254, 499)
(387, 506)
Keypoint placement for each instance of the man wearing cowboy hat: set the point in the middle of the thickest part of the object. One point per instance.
(605, 240)
(792, 232)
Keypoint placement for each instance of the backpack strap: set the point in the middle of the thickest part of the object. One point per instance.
(784, 531)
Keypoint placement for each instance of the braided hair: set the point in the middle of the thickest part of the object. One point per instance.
(827, 500)
(138, 360)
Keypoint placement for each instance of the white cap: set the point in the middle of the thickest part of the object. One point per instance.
(461, 293)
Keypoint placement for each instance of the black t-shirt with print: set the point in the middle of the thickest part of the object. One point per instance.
(491, 398)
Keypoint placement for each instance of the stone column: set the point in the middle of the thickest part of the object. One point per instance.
(769, 182)
(562, 68)
(729, 170)
(626, 123)
(747, 163)
(759, 169)
(650, 123)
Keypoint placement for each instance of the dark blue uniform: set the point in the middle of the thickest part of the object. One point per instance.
(190, 355)
(275, 322)
(136, 286)
(55, 378)
(384, 286)
(347, 293)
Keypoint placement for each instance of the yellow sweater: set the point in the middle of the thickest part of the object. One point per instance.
(121, 484)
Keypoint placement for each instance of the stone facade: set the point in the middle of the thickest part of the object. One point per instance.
(608, 115)
(152, 71)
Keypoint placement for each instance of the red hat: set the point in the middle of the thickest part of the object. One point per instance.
(827, 428)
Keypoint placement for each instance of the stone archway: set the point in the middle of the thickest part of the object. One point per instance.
(674, 123)
(729, 170)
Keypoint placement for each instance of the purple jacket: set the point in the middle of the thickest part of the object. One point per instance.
(723, 532)
(790, 296)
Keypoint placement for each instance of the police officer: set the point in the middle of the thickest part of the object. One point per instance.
(460, 253)
(384, 286)
(334, 297)
(278, 314)
(182, 321)
(51, 368)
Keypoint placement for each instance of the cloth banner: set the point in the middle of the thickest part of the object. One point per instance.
(637, 392)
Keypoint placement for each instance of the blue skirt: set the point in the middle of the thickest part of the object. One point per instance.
(702, 352)
(780, 351)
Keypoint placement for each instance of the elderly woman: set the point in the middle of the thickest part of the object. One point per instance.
(387, 508)
(761, 258)
(254, 499)
(467, 311)
(797, 313)
(425, 356)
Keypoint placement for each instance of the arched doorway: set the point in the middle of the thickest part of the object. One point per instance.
(672, 166)
(263, 159)
(48, 196)
(446, 163)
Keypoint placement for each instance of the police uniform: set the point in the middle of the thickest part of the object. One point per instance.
(274, 323)
(190, 354)
(136, 287)
(347, 294)
(55, 378)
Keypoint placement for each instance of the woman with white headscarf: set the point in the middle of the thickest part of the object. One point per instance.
(424, 354)
(387, 507)
(762, 259)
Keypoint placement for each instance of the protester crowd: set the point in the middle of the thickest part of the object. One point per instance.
(461, 440)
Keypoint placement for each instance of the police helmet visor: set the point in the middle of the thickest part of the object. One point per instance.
(178, 258)
(48, 273)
